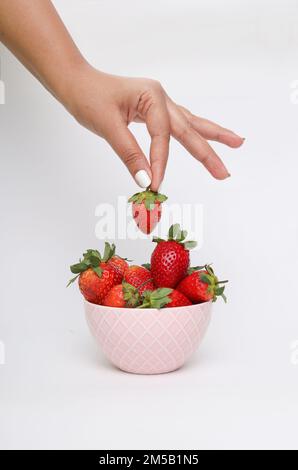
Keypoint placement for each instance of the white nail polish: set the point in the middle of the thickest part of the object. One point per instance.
(142, 179)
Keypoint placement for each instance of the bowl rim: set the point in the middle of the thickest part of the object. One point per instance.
(129, 310)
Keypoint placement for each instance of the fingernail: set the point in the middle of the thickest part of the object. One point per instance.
(142, 179)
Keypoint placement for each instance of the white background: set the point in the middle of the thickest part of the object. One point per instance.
(232, 62)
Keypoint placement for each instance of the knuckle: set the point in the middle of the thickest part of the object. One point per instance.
(131, 156)
(182, 133)
(151, 95)
(152, 84)
(146, 100)
(186, 112)
(162, 135)
(156, 86)
(155, 89)
(205, 158)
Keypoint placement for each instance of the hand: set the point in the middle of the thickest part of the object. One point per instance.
(104, 103)
(107, 104)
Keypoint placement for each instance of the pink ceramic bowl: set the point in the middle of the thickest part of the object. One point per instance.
(148, 341)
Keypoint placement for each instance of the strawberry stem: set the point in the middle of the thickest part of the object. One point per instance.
(145, 305)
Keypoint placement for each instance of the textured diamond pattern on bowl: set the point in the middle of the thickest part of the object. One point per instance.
(148, 341)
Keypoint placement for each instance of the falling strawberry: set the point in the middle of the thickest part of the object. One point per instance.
(122, 295)
(202, 286)
(164, 297)
(170, 258)
(146, 209)
(139, 277)
(98, 274)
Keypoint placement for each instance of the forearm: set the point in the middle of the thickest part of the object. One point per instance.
(34, 32)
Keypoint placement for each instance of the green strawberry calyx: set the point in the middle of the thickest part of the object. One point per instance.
(158, 298)
(147, 266)
(131, 295)
(192, 269)
(178, 235)
(148, 198)
(214, 285)
(92, 259)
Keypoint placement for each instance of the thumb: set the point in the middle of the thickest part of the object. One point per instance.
(125, 145)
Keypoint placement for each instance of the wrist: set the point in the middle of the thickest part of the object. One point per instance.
(69, 80)
(84, 87)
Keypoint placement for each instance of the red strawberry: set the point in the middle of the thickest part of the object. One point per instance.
(122, 295)
(201, 286)
(97, 274)
(164, 297)
(116, 262)
(119, 264)
(139, 277)
(146, 209)
(95, 287)
(170, 259)
(178, 299)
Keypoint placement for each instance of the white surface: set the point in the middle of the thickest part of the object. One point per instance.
(233, 62)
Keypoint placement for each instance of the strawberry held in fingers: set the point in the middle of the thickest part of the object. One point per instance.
(170, 258)
(164, 297)
(122, 295)
(139, 277)
(97, 274)
(202, 286)
(146, 209)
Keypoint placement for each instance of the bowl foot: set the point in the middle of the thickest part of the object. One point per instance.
(149, 372)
